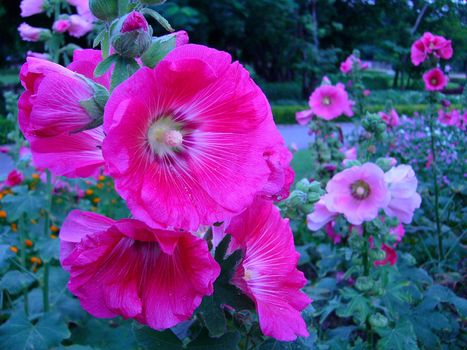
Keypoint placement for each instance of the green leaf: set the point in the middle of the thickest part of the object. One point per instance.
(159, 48)
(213, 316)
(15, 281)
(358, 306)
(121, 71)
(159, 18)
(24, 202)
(99, 38)
(299, 344)
(228, 341)
(5, 254)
(104, 66)
(150, 339)
(20, 334)
(402, 337)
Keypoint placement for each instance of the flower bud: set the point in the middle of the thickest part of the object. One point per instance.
(303, 185)
(384, 163)
(364, 284)
(377, 254)
(378, 320)
(134, 36)
(105, 10)
(356, 242)
(348, 163)
(297, 198)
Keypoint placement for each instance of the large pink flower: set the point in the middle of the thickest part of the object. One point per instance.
(85, 62)
(329, 102)
(418, 53)
(79, 26)
(268, 273)
(437, 45)
(449, 118)
(31, 7)
(435, 80)
(126, 268)
(358, 193)
(188, 143)
(320, 216)
(402, 185)
(51, 116)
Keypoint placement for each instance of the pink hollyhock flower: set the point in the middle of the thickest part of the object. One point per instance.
(418, 53)
(85, 62)
(61, 25)
(320, 216)
(304, 117)
(14, 178)
(391, 256)
(42, 56)
(391, 118)
(449, 118)
(82, 7)
(329, 229)
(329, 102)
(31, 7)
(358, 193)
(435, 80)
(402, 185)
(366, 92)
(163, 140)
(350, 154)
(126, 268)
(438, 45)
(51, 103)
(346, 66)
(134, 21)
(28, 33)
(79, 26)
(268, 272)
(181, 38)
(398, 231)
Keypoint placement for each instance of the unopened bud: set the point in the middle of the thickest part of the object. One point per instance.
(378, 320)
(297, 198)
(105, 10)
(364, 284)
(134, 36)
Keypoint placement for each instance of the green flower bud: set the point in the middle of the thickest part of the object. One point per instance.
(356, 242)
(364, 284)
(105, 10)
(378, 320)
(315, 186)
(133, 37)
(377, 254)
(297, 198)
(303, 185)
(314, 197)
(351, 163)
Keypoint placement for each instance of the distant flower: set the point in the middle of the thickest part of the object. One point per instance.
(29, 33)
(398, 231)
(320, 216)
(43, 56)
(402, 185)
(391, 118)
(31, 7)
(430, 44)
(329, 102)
(61, 25)
(329, 229)
(366, 92)
(304, 117)
(358, 193)
(79, 26)
(268, 272)
(429, 161)
(82, 7)
(449, 118)
(349, 63)
(435, 80)
(391, 256)
(14, 178)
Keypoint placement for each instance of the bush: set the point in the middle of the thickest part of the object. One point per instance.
(6, 126)
(282, 91)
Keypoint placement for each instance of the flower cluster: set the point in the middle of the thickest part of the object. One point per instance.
(190, 143)
(430, 44)
(350, 62)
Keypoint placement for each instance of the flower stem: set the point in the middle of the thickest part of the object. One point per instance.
(22, 237)
(365, 255)
(45, 281)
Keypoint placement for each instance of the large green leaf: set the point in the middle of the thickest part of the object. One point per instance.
(229, 341)
(23, 202)
(299, 344)
(15, 281)
(150, 339)
(19, 333)
(401, 337)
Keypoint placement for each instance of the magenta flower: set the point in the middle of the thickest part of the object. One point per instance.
(85, 62)
(79, 26)
(391, 118)
(28, 33)
(449, 118)
(391, 256)
(329, 102)
(418, 53)
(320, 216)
(430, 44)
(304, 117)
(188, 142)
(366, 92)
(61, 25)
(31, 7)
(14, 178)
(126, 268)
(435, 80)
(134, 21)
(358, 193)
(50, 117)
(346, 66)
(398, 231)
(329, 229)
(402, 185)
(268, 273)
(82, 7)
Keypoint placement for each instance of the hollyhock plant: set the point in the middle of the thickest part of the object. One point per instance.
(320, 216)
(195, 155)
(268, 272)
(449, 118)
(329, 102)
(391, 119)
(29, 33)
(402, 185)
(435, 80)
(31, 7)
(79, 26)
(358, 193)
(124, 267)
(61, 25)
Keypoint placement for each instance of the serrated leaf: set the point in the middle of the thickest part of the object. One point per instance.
(158, 50)
(105, 65)
(358, 306)
(20, 334)
(23, 202)
(150, 339)
(15, 281)
(159, 18)
(299, 344)
(228, 341)
(401, 337)
(213, 316)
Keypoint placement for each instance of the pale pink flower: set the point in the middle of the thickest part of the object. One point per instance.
(398, 231)
(126, 268)
(449, 118)
(79, 26)
(31, 7)
(163, 140)
(82, 7)
(320, 216)
(29, 33)
(366, 92)
(304, 117)
(358, 193)
(61, 25)
(43, 56)
(350, 154)
(402, 185)
(329, 102)
(268, 272)
(391, 118)
(435, 80)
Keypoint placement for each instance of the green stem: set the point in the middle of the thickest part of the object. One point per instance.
(45, 281)
(22, 237)
(365, 253)
(45, 288)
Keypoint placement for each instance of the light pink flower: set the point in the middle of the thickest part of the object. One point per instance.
(398, 231)
(14, 178)
(50, 115)
(304, 117)
(187, 142)
(43, 56)
(449, 118)
(350, 154)
(268, 272)
(329, 102)
(31, 7)
(391, 118)
(320, 216)
(402, 185)
(391, 256)
(126, 268)
(358, 193)
(435, 80)
(82, 7)
(79, 26)
(29, 33)
(366, 92)
(61, 25)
